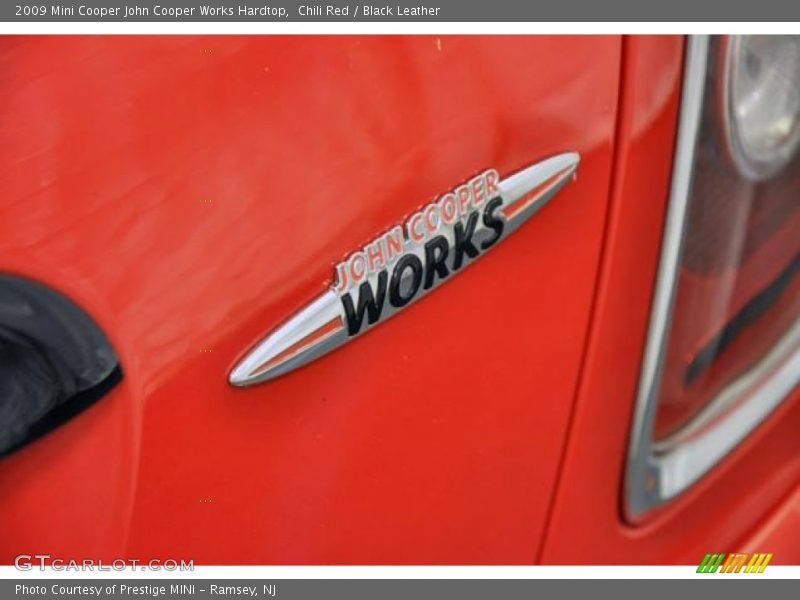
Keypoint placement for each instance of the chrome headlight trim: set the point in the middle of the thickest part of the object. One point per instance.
(642, 491)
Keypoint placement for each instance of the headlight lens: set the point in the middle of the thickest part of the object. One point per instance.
(761, 102)
(737, 287)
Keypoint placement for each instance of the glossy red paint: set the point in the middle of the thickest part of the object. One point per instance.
(778, 532)
(733, 502)
(192, 192)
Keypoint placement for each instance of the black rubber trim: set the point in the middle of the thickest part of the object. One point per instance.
(69, 409)
(749, 313)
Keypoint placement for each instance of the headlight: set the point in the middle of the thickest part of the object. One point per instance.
(723, 346)
(761, 102)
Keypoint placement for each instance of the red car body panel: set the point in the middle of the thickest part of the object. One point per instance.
(191, 193)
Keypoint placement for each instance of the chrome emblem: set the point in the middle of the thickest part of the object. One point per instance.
(406, 262)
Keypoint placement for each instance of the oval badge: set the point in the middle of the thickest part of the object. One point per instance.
(406, 262)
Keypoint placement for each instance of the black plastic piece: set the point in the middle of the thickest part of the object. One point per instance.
(54, 361)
